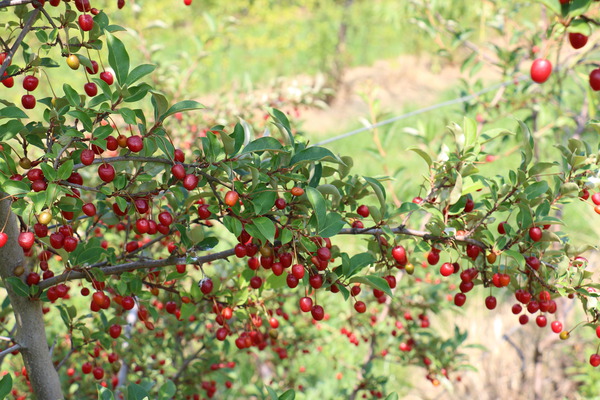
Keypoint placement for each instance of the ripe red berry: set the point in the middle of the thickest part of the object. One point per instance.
(577, 40)
(501, 229)
(399, 254)
(317, 312)
(316, 281)
(204, 213)
(190, 181)
(135, 143)
(595, 360)
(86, 368)
(256, 282)
(433, 257)
(535, 233)
(94, 69)
(280, 203)
(89, 209)
(33, 279)
(306, 304)
(187, 2)
(90, 89)
(106, 172)
(446, 269)
(107, 77)
(28, 101)
(231, 198)
(26, 240)
(98, 373)
(206, 285)
(541, 321)
(459, 299)
(115, 331)
(3, 239)
(30, 83)
(556, 326)
(360, 307)
(469, 205)
(87, 157)
(178, 171)
(127, 302)
(70, 243)
(363, 211)
(86, 22)
(541, 70)
(165, 218)
(324, 254)
(490, 302)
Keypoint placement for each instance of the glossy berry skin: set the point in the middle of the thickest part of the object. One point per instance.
(595, 79)
(535, 233)
(107, 77)
(114, 331)
(26, 240)
(90, 89)
(165, 218)
(94, 69)
(204, 213)
(490, 302)
(206, 286)
(541, 70)
(28, 101)
(255, 282)
(399, 254)
(446, 269)
(360, 307)
(89, 209)
(127, 303)
(460, 299)
(556, 326)
(280, 203)
(232, 198)
(577, 40)
(135, 143)
(32, 279)
(106, 172)
(87, 157)
(178, 171)
(190, 181)
(363, 211)
(595, 360)
(306, 304)
(30, 83)
(3, 239)
(86, 22)
(317, 313)
(541, 321)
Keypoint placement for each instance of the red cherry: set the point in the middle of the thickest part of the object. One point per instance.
(107, 77)
(26, 240)
(447, 269)
(187, 2)
(324, 254)
(433, 257)
(70, 243)
(535, 233)
(89, 209)
(363, 211)
(98, 373)
(94, 69)
(360, 307)
(255, 282)
(595, 360)
(86, 368)
(306, 304)
(280, 204)
(135, 143)
(317, 312)
(556, 326)
(469, 206)
(28, 101)
(541, 70)
(541, 321)
(30, 83)
(165, 218)
(473, 251)
(204, 213)
(86, 22)
(115, 331)
(316, 281)
(490, 302)
(577, 40)
(231, 198)
(178, 171)
(33, 279)
(87, 157)
(501, 229)
(595, 79)
(596, 198)
(459, 299)
(90, 89)
(399, 254)
(106, 172)
(127, 303)
(83, 5)
(206, 286)
(178, 155)
(3, 239)
(190, 181)
(516, 308)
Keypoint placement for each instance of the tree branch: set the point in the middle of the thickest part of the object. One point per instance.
(15, 47)
(132, 266)
(402, 230)
(10, 350)
(9, 3)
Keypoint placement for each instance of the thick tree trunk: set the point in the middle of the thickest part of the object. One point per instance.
(30, 332)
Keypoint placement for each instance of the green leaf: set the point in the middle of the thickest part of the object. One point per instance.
(527, 141)
(272, 393)
(470, 131)
(12, 112)
(167, 390)
(65, 170)
(580, 26)
(515, 255)
(265, 143)
(359, 261)
(139, 72)
(378, 189)
(333, 225)
(118, 58)
(49, 172)
(313, 154)
(185, 105)
(579, 7)
(264, 201)
(536, 190)
(233, 225)
(457, 190)
(6, 384)
(374, 281)
(553, 5)
(392, 396)
(137, 392)
(266, 227)
(72, 95)
(423, 155)
(319, 206)
(18, 286)
(15, 188)
(288, 395)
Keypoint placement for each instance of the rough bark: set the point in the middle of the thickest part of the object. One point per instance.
(30, 330)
